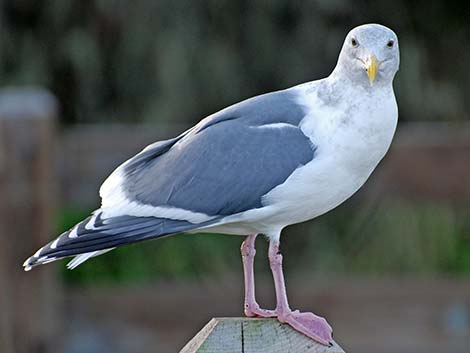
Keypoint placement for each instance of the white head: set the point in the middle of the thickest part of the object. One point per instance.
(370, 56)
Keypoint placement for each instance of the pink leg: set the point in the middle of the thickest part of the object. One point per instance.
(248, 255)
(309, 324)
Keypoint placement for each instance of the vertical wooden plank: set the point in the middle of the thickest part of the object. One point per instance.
(29, 302)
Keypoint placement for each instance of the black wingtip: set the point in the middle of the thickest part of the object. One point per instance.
(34, 261)
(27, 266)
(31, 262)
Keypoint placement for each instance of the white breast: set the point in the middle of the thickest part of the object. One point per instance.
(351, 138)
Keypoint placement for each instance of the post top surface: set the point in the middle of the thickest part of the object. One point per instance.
(253, 335)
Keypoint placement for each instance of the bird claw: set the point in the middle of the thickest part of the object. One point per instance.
(311, 325)
(254, 310)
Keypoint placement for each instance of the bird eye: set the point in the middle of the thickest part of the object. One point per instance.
(354, 42)
(390, 43)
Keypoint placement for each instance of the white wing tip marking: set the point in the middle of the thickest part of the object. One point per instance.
(54, 244)
(91, 223)
(26, 263)
(38, 253)
(73, 233)
(41, 260)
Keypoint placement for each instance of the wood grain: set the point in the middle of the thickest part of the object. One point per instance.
(248, 335)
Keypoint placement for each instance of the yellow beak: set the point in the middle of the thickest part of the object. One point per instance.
(372, 66)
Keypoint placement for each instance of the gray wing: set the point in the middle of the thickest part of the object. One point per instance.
(226, 163)
(222, 166)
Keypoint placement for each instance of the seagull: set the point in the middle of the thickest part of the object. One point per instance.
(255, 167)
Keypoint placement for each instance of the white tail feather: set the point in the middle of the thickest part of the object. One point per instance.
(78, 260)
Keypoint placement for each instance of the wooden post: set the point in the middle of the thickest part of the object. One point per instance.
(29, 302)
(248, 335)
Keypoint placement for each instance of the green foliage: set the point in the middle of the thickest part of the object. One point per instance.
(394, 237)
(404, 238)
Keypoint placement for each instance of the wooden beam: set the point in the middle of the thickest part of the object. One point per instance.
(249, 335)
(29, 302)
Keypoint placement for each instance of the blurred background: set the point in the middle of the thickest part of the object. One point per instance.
(87, 84)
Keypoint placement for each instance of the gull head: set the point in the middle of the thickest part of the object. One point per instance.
(370, 56)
